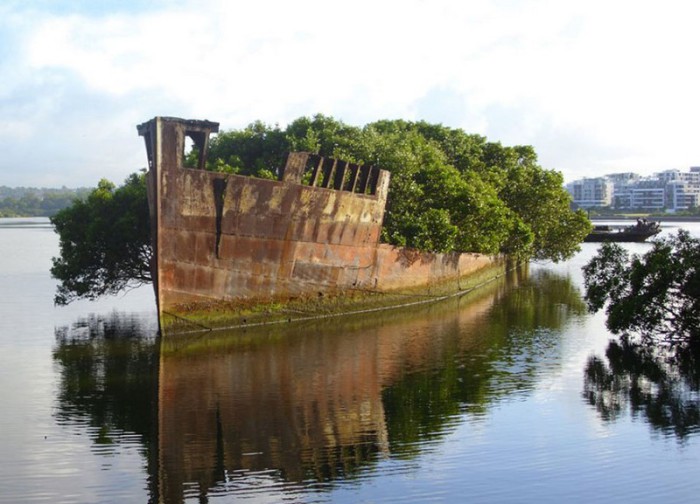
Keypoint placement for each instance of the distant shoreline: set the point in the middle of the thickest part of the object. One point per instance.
(659, 218)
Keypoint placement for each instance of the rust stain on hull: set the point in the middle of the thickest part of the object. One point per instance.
(222, 237)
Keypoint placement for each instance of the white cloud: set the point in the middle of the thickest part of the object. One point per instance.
(595, 86)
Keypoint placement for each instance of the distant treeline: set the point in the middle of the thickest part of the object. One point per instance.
(37, 202)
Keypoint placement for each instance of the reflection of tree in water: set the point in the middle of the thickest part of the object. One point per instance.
(513, 345)
(525, 327)
(108, 378)
(108, 373)
(663, 391)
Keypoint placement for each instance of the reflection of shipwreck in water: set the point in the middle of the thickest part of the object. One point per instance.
(314, 232)
(288, 409)
(282, 407)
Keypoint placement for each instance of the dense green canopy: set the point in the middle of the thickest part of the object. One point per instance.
(450, 190)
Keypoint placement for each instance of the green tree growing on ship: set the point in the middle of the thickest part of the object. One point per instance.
(450, 191)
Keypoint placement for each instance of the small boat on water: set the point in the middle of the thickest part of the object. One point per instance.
(638, 232)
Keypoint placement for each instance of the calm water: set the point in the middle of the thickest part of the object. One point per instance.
(481, 399)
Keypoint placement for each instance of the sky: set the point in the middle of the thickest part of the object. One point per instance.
(595, 86)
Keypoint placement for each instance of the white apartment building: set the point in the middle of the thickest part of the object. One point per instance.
(649, 198)
(591, 192)
(690, 177)
(682, 195)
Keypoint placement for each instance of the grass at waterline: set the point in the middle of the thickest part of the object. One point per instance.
(214, 315)
(258, 335)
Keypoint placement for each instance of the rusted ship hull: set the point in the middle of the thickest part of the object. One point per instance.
(242, 240)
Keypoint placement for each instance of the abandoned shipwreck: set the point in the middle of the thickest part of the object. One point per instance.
(226, 242)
